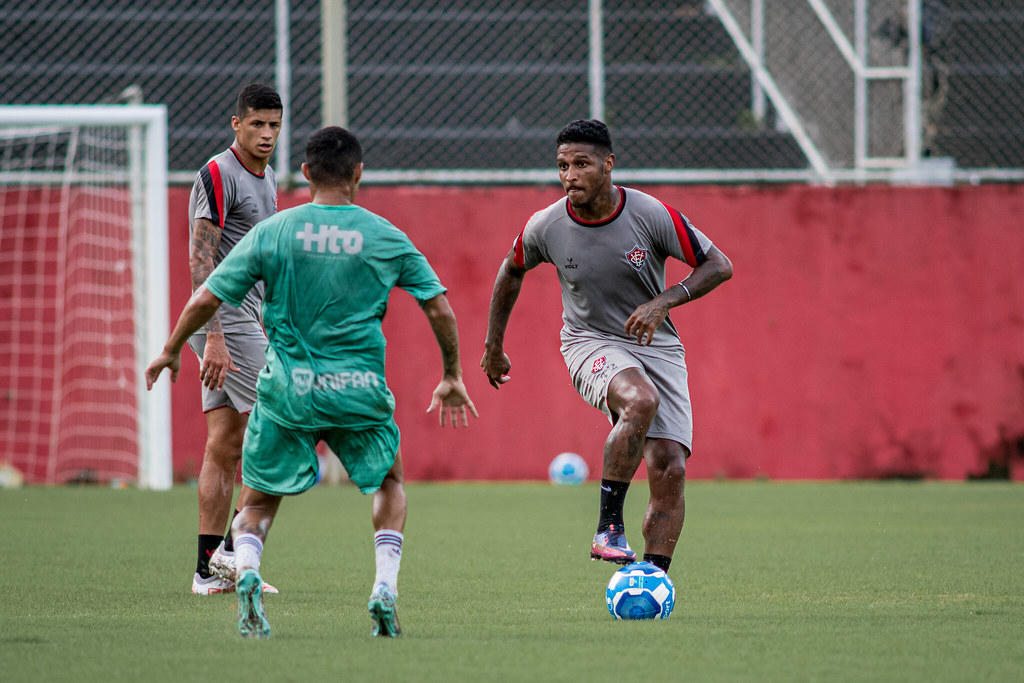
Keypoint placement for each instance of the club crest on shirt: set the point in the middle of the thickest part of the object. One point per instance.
(302, 380)
(599, 365)
(637, 257)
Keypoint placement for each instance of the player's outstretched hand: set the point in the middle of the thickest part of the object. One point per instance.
(451, 398)
(164, 360)
(496, 367)
(216, 363)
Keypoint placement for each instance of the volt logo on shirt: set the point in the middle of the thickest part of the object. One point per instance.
(330, 238)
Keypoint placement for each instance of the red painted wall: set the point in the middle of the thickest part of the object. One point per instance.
(867, 332)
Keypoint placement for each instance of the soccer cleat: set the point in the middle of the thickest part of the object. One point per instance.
(211, 585)
(383, 612)
(252, 619)
(611, 546)
(222, 564)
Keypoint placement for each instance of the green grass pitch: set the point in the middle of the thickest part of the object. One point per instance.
(775, 582)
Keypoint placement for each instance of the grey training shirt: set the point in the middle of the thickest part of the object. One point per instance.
(233, 197)
(608, 268)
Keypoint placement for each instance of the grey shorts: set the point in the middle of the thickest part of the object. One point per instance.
(593, 362)
(247, 349)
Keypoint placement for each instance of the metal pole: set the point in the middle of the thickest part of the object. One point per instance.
(860, 86)
(333, 63)
(595, 26)
(284, 86)
(912, 86)
(757, 99)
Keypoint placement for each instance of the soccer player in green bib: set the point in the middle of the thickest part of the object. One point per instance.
(328, 267)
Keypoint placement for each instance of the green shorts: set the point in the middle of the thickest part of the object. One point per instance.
(282, 461)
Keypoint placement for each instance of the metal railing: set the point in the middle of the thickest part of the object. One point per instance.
(475, 90)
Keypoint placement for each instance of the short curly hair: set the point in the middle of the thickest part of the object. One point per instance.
(590, 131)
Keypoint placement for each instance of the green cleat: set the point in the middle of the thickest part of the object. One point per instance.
(383, 612)
(252, 620)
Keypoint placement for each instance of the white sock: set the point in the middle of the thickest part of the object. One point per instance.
(388, 545)
(248, 551)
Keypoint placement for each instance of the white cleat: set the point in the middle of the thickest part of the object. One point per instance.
(222, 564)
(211, 585)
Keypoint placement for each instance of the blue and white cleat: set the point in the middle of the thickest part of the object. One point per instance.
(383, 612)
(611, 546)
(252, 619)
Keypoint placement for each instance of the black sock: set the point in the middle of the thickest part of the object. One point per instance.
(207, 544)
(229, 541)
(659, 561)
(613, 495)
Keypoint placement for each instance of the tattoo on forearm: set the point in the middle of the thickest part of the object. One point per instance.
(700, 286)
(449, 342)
(213, 325)
(205, 243)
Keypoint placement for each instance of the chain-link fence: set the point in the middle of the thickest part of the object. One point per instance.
(477, 89)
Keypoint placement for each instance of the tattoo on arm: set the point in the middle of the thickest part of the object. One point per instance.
(448, 339)
(205, 243)
(442, 322)
(708, 275)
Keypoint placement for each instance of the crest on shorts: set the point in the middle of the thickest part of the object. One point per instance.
(637, 257)
(599, 365)
(302, 379)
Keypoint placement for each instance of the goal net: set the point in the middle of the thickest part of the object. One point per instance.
(83, 293)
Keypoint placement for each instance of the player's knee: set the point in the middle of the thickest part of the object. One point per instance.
(643, 406)
(633, 397)
(395, 475)
(667, 462)
(673, 470)
(393, 482)
(225, 453)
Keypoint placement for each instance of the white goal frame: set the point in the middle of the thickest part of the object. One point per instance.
(147, 173)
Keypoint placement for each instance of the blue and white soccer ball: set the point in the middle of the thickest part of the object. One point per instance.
(568, 469)
(640, 591)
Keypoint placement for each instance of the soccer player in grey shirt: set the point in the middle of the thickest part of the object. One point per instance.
(609, 245)
(234, 190)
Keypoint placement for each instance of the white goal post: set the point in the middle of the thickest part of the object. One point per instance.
(83, 286)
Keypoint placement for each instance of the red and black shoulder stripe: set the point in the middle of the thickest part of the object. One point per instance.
(519, 258)
(213, 187)
(693, 253)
